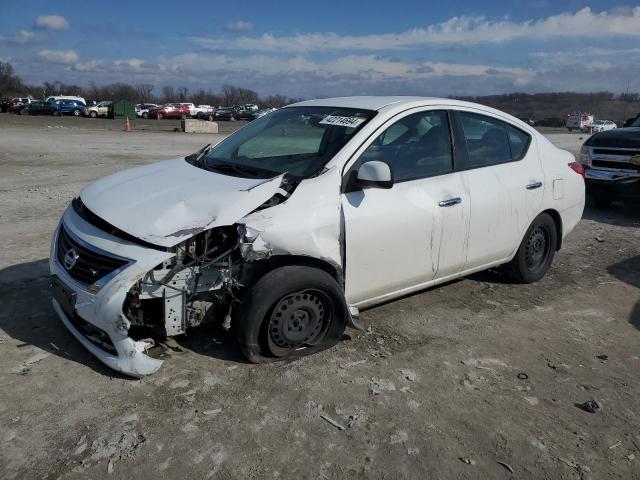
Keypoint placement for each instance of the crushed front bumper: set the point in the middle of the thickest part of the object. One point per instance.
(93, 313)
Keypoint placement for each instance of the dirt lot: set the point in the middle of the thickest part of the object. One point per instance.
(433, 391)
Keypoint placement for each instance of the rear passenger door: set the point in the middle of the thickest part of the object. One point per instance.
(503, 174)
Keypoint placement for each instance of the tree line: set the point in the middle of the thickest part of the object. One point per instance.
(551, 108)
(11, 85)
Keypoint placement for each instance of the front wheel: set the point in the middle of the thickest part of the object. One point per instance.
(93, 114)
(290, 312)
(145, 115)
(536, 251)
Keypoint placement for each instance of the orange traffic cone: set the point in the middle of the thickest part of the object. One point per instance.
(127, 126)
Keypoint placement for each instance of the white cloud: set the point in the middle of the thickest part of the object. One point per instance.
(67, 57)
(239, 26)
(52, 22)
(21, 37)
(467, 30)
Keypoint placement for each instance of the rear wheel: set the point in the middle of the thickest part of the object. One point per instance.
(76, 112)
(290, 312)
(93, 114)
(145, 115)
(56, 113)
(536, 252)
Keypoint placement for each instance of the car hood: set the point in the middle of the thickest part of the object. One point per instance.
(616, 138)
(168, 202)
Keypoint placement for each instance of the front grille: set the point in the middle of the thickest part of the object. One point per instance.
(613, 151)
(614, 164)
(90, 266)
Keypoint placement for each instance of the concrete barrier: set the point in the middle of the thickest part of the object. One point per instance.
(190, 125)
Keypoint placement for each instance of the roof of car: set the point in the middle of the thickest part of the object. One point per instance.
(364, 102)
(393, 104)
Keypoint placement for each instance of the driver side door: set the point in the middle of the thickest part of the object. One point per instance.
(400, 239)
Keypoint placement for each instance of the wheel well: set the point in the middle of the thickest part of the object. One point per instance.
(558, 221)
(252, 272)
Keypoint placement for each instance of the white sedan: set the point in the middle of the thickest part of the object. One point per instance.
(285, 229)
(600, 126)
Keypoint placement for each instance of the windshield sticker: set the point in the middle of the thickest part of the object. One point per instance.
(352, 122)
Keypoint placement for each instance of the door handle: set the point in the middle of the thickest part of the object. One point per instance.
(450, 202)
(534, 185)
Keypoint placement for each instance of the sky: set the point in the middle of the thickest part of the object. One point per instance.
(329, 48)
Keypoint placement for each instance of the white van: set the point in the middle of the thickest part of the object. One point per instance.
(53, 98)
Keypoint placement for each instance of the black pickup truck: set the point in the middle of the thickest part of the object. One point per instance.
(611, 160)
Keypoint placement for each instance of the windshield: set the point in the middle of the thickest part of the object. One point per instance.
(295, 140)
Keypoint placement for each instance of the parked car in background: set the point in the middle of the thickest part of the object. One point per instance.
(578, 120)
(202, 111)
(611, 160)
(41, 108)
(244, 112)
(170, 110)
(100, 109)
(600, 126)
(73, 107)
(261, 113)
(528, 121)
(633, 122)
(18, 105)
(52, 98)
(4, 104)
(143, 109)
(272, 227)
(224, 113)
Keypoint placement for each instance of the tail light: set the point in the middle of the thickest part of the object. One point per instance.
(578, 168)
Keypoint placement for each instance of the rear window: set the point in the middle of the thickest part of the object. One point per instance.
(490, 141)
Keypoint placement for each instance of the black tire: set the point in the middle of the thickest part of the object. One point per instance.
(23, 111)
(160, 116)
(93, 114)
(145, 115)
(601, 200)
(210, 118)
(76, 112)
(290, 312)
(56, 113)
(536, 251)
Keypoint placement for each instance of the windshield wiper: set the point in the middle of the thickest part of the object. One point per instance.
(196, 158)
(243, 170)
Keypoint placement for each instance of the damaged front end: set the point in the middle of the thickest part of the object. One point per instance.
(200, 283)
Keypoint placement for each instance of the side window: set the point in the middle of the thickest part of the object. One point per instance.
(519, 142)
(486, 139)
(416, 146)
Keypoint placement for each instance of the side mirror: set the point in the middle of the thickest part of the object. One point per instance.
(375, 174)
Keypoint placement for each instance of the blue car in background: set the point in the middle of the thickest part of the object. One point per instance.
(68, 106)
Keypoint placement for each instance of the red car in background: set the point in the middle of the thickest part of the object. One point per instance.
(170, 110)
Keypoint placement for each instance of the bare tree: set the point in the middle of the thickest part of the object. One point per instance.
(144, 92)
(168, 94)
(182, 94)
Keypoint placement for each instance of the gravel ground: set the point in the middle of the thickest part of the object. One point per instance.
(478, 378)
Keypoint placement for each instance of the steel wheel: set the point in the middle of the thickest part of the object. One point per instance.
(298, 320)
(537, 250)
